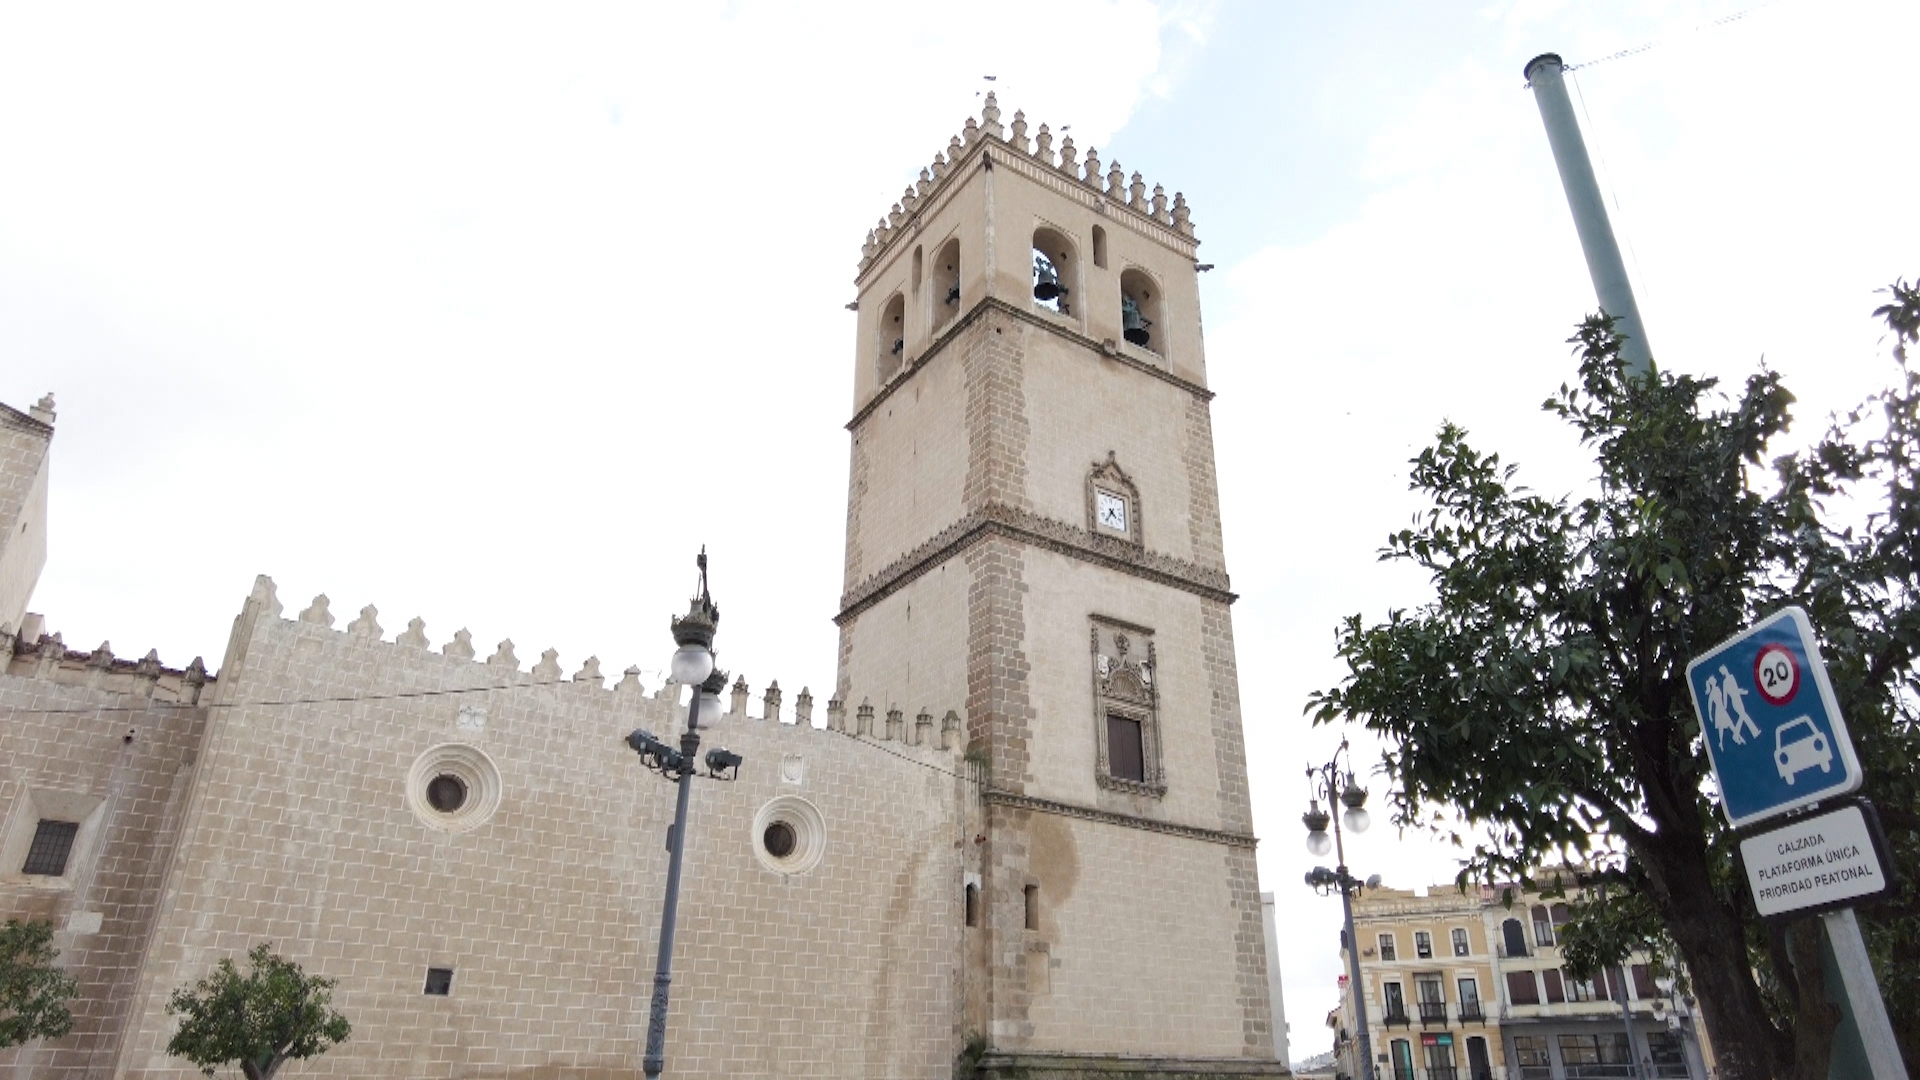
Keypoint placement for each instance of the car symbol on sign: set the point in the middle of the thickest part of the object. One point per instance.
(1807, 748)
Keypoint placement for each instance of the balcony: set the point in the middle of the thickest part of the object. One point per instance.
(1442, 1072)
(1397, 1014)
(1433, 1012)
(1470, 1013)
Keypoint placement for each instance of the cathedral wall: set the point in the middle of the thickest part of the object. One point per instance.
(914, 449)
(66, 756)
(911, 648)
(1130, 413)
(24, 444)
(1063, 596)
(1136, 932)
(303, 832)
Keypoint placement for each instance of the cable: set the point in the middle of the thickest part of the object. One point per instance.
(1638, 49)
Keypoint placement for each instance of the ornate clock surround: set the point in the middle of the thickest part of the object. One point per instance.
(1106, 477)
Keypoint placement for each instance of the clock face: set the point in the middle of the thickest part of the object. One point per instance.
(1110, 511)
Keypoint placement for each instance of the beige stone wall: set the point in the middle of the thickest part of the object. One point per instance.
(24, 445)
(65, 754)
(301, 833)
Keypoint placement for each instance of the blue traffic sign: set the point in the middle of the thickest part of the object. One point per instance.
(1771, 724)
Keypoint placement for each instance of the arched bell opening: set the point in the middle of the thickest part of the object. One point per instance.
(1056, 271)
(890, 338)
(1141, 311)
(946, 282)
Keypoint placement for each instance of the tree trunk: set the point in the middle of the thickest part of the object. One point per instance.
(1712, 943)
(1814, 1017)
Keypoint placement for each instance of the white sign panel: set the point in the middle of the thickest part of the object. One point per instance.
(1823, 860)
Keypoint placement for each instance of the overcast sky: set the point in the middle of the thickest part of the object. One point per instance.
(493, 315)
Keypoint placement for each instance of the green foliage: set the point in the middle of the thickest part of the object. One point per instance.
(1542, 695)
(33, 993)
(273, 1014)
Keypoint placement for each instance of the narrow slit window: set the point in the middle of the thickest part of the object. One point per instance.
(1033, 907)
(439, 982)
(973, 904)
(1099, 247)
(52, 845)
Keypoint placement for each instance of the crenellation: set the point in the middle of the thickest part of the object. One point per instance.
(738, 707)
(1019, 138)
(1043, 146)
(896, 724)
(630, 683)
(589, 674)
(367, 625)
(1137, 194)
(770, 702)
(415, 635)
(1091, 174)
(836, 714)
(1116, 182)
(503, 656)
(461, 647)
(990, 117)
(1160, 206)
(923, 727)
(45, 658)
(549, 665)
(803, 708)
(317, 613)
(1069, 157)
(864, 716)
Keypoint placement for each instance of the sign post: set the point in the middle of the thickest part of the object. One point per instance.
(1777, 743)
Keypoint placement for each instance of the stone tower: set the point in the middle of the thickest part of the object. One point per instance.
(1033, 528)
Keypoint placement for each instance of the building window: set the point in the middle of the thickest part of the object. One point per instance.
(1669, 1056)
(1513, 938)
(1402, 1060)
(1530, 1054)
(446, 793)
(1433, 999)
(1396, 1003)
(1469, 999)
(1643, 987)
(1581, 1053)
(1542, 926)
(1032, 894)
(779, 839)
(1460, 945)
(1522, 989)
(946, 280)
(1423, 944)
(1099, 247)
(973, 904)
(1439, 1056)
(1126, 697)
(52, 843)
(1124, 760)
(1387, 950)
(1580, 989)
(1556, 992)
(439, 982)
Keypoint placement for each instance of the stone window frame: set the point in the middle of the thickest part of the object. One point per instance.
(1128, 688)
(1462, 941)
(36, 804)
(1109, 477)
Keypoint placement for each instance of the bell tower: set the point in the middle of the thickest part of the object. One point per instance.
(1033, 528)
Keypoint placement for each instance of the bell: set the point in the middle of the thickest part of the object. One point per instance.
(953, 293)
(1133, 326)
(901, 343)
(1046, 280)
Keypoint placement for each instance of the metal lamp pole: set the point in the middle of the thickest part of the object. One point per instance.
(692, 666)
(1326, 782)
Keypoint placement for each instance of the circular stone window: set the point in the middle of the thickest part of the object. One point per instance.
(447, 793)
(789, 835)
(453, 787)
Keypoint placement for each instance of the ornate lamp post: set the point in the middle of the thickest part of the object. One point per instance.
(1329, 783)
(692, 665)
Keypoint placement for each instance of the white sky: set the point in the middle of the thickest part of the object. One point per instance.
(494, 314)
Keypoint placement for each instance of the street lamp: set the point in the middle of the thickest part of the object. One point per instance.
(1329, 783)
(692, 665)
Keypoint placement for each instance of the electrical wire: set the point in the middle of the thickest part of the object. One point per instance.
(1645, 46)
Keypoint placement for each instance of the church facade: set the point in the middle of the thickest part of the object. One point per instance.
(1013, 840)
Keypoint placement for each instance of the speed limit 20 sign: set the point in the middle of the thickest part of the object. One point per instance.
(1767, 714)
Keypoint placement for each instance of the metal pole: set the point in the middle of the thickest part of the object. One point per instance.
(655, 1059)
(1863, 995)
(1604, 265)
(1626, 1013)
(1353, 944)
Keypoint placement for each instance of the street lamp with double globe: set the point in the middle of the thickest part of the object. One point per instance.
(1330, 783)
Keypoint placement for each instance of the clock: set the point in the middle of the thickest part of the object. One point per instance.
(1110, 511)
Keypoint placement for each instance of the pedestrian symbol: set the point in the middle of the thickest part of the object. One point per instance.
(1772, 729)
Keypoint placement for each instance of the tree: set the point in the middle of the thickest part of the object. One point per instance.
(274, 1014)
(1541, 695)
(33, 993)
